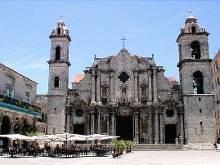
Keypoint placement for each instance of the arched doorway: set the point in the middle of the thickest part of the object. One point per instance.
(5, 129)
(124, 127)
(170, 133)
(6, 125)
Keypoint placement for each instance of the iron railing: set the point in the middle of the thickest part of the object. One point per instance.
(19, 105)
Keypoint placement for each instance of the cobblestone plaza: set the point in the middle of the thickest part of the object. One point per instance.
(133, 158)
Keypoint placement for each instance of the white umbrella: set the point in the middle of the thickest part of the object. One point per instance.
(16, 137)
(77, 138)
(109, 137)
(95, 136)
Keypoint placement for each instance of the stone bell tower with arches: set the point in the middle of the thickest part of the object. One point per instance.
(196, 83)
(58, 78)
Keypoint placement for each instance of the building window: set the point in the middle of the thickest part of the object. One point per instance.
(57, 53)
(170, 113)
(9, 92)
(58, 31)
(56, 82)
(123, 77)
(180, 51)
(193, 29)
(195, 48)
(28, 98)
(198, 83)
(200, 123)
(200, 110)
(79, 112)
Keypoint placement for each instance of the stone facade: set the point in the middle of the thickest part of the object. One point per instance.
(15, 85)
(17, 102)
(126, 91)
(129, 96)
(216, 86)
(196, 83)
(58, 78)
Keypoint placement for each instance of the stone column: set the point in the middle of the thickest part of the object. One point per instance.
(108, 133)
(111, 87)
(136, 128)
(98, 89)
(68, 121)
(136, 86)
(155, 83)
(149, 86)
(161, 128)
(73, 120)
(113, 124)
(92, 123)
(150, 128)
(93, 87)
(87, 125)
(0, 125)
(181, 126)
(99, 124)
(156, 132)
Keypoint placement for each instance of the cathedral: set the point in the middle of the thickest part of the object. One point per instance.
(128, 95)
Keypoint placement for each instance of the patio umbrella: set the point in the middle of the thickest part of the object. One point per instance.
(95, 136)
(77, 138)
(16, 137)
(109, 137)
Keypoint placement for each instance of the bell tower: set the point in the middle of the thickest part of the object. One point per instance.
(58, 77)
(196, 83)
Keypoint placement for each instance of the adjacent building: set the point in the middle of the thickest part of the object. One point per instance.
(18, 112)
(216, 85)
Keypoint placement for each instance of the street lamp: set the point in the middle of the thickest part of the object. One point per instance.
(67, 98)
(66, 109)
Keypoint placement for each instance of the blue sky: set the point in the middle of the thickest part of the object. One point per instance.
(96, 28)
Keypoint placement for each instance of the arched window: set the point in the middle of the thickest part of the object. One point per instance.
(193, 29)
(195, 48)
(6, 125)
(58, 31)
(198, 83)
(57, 53)
(56, 82)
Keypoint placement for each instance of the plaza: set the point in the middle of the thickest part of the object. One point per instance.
(192, 157)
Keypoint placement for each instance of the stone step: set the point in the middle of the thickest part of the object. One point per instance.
(157, 147)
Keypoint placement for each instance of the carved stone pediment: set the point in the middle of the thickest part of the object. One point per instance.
(124, 111)
(78, 103)
(171, 103)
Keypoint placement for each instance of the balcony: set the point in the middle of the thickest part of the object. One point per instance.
(15, 105)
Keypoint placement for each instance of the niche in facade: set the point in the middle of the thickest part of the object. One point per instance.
(170, 113)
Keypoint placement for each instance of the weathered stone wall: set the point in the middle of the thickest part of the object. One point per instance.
(185, 42)
(199, 118)
(56, 116)
(186, 76)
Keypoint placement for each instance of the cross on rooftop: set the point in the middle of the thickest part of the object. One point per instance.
(123, 42)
